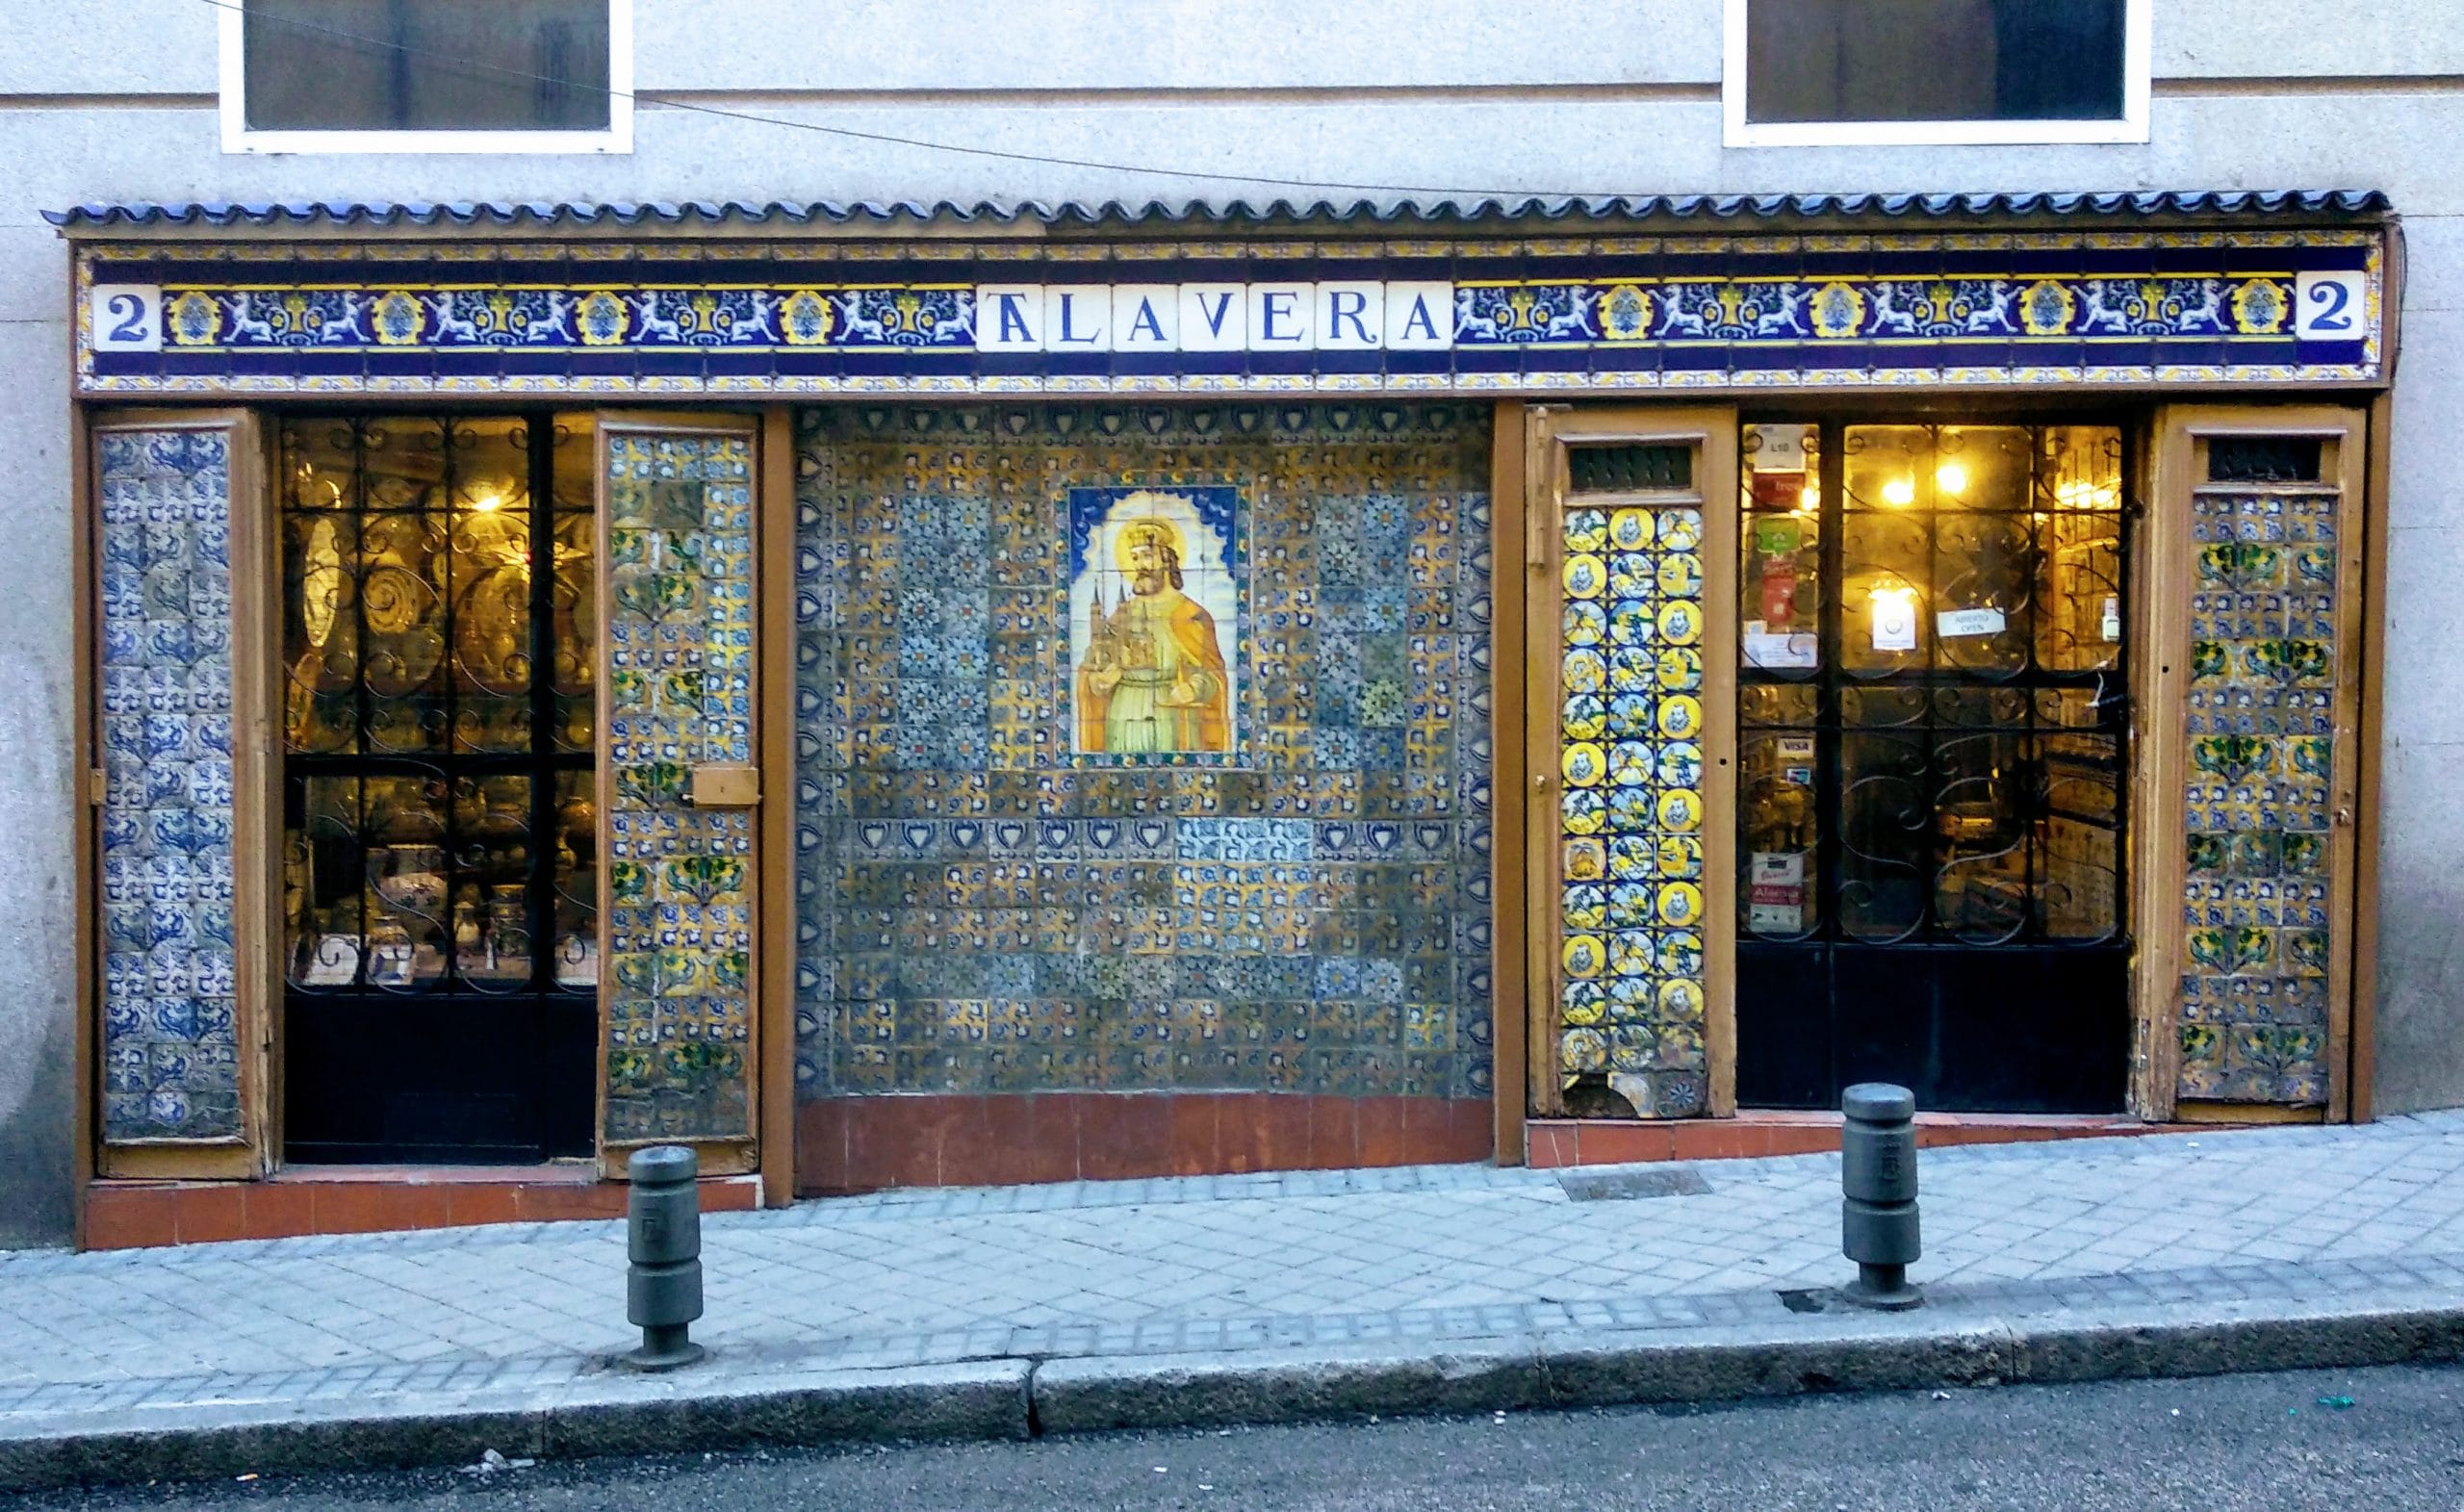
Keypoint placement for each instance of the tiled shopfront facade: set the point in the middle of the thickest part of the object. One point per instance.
(1020, 722)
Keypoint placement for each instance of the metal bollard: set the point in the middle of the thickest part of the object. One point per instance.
(1878, 1172)
(663, 1232)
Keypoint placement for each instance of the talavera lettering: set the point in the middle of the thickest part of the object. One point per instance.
(1347, 316)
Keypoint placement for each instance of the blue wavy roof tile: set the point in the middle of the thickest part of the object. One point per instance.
(545, 215)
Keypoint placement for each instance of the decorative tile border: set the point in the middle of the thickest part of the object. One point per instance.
(2022, 309)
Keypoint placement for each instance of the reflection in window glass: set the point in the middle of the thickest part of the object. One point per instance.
(1934, 59)
(428, 760)
(429, 65)
(1941, 763)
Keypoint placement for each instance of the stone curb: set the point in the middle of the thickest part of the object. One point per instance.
(1017, 1398)
(599, 1415)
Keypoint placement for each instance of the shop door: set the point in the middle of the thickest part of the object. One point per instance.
(1931, 710)
(440, 834)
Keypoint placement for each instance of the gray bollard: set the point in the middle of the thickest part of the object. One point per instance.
(1878, 1174)
(663, 1233)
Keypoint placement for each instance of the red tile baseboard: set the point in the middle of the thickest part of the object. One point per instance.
(1603, 1142)
(131, 1214)
(845, 1145)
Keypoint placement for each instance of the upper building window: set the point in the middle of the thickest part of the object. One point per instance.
(428, 76)
(1878, 72)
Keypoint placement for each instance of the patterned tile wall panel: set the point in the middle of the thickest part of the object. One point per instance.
(170, 1043)
(680, 694)
(981, 907)
(2262, 750)
(1631, 816)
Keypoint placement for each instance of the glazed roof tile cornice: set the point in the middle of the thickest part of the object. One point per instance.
(1035, 217)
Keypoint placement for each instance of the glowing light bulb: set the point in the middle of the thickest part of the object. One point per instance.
(1900, 492)
(1951, 478)
(1810, 501)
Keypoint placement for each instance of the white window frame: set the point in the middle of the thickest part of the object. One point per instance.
(617, 138)
(2137, 67)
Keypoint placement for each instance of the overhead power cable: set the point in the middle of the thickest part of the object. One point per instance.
(479, 65)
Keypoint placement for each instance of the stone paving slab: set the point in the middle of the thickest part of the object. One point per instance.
(1407, 1264)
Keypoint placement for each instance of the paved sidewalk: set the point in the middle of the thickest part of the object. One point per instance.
(984, 1309)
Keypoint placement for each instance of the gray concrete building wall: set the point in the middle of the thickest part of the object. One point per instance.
(1216, 100)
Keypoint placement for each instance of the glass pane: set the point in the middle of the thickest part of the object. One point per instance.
(2079, 626)
(1935, 60)
(2079, 855)
(574, 598)
(1778, 899)
(1981, 879)
(403, 575)
(405, 874)
(433, 65)
(1887, 808)
(491, 934)
(488, 576)
(1779, 611)
(408, 619)
(577, 884)
(322, 897)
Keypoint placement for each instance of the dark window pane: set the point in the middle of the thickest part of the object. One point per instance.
(427, 64)
(2263, 459)
(1934, 59)
(1608, 469)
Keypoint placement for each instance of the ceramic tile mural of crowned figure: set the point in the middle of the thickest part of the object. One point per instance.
(1154, 615)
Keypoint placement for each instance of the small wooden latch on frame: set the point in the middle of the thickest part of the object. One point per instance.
(726, 785)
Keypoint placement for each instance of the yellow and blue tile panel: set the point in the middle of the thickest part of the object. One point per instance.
(2262, 728)
(1631, 818)
(680, 658)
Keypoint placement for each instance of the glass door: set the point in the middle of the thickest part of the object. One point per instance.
(1931, 710)
(440, 831)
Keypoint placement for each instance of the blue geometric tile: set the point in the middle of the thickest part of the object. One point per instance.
(1118, 909)
(170, 1049)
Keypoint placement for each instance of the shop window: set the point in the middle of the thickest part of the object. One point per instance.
(435, 75)
(1932, 717)
(440, 826)
(1848, 72)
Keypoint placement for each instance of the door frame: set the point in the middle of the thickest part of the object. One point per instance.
(254, 592)
(2161, 700)
(1549, 432)
(754, 1152)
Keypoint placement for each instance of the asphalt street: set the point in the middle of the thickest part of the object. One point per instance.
(2343, 1440)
